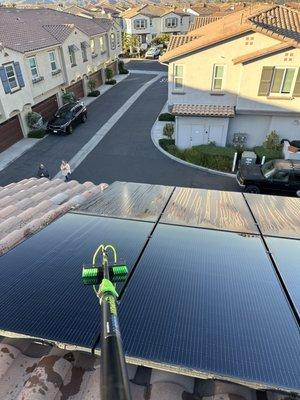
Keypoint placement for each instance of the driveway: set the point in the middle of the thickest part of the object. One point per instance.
(127, 153)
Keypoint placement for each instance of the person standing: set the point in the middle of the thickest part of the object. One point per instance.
(65, 170)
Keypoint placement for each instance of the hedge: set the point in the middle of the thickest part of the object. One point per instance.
(94, 93)
(268, 153)
(111, 82)
(166, 117)
(209, 156)
(37, 134)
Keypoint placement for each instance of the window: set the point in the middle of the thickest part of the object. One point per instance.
(218, 76)
(102, 44)
(11, 76)
(52, 59)
(33, 67)
(72, 56)
(281, 176)
(181, 21)
(92, 46)
(178, 77)
(83, 46)
(171, 22)
(140, 24)
(112, 41)
(151, 22)
(282, 80)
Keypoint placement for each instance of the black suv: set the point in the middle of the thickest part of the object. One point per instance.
(276, 176)
(66, 118)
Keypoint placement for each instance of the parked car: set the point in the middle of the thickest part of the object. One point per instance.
(153, 53)
(276, 176)
(66, 118)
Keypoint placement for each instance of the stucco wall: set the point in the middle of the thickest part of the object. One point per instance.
(192, 131)
(258, 127)
(198, 71)
(180, 28)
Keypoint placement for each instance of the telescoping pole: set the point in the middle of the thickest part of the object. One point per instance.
(114, 384)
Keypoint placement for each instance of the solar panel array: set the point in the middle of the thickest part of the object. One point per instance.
(213, 288)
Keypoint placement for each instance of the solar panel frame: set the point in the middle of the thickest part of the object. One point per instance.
(42, 292)
(156, 310)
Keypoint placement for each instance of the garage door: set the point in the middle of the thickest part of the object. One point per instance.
(47, 108)
(113, 66)
(97, 77)
(77, 89)
(10, 133)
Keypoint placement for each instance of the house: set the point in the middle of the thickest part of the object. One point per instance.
(237, 79)
(148, 21)
(44, 53)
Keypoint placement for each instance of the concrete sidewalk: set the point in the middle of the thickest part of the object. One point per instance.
(16, 150)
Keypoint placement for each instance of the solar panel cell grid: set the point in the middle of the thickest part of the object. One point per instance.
(42, 293)
(211, 302)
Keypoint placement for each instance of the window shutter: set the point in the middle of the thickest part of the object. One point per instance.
(296, 92)
(265, 81)
(19, 74)
(4, 80)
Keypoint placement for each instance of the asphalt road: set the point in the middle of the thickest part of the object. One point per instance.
(145, 65)
(127, 153)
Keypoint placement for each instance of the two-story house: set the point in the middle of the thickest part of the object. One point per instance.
(43, 53)
(237, 79)
(148, 21)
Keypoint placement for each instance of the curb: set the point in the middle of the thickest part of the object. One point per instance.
(187, 164)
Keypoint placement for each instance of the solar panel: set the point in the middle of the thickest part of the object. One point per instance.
(210, 302)
(129, 200)
(286, 253)
(276, 215)
(209, 209)
(42, 294)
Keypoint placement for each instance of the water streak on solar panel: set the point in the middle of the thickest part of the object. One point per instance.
(129, 200)
(211, 302)
(209, 209)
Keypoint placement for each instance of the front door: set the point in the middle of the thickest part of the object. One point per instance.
(198, 135)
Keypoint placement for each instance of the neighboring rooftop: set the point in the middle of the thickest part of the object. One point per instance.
(25, 30)
(31, 204)
(275, 21)
(152, 11)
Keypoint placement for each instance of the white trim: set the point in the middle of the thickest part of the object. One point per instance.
(214, 78)
(285, 68)
(35, 67)
(178, 90)
(12, 90)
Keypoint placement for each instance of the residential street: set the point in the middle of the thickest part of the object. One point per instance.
(126, 152)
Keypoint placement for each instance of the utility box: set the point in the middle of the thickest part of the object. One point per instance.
(248, 158)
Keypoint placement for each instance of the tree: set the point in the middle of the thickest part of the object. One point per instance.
(168, 130)
(161, 39)
(130, 42)
(92, 85)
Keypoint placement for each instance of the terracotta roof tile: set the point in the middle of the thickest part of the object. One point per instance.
(285, 23)
(179, 40)
(280, 20)
(203, 110)
(29, 205)
(32, 29)
(202, 21)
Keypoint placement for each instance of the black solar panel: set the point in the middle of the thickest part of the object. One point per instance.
(42, 294)
(211, 302)
(286, 253)
(129, 200)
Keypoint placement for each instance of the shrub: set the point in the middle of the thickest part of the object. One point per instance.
(109, 74)
(68, 97)
(268, 153)
(166, 117)
(111, 82)
(94, 93)
(122, 69)
(168, 130)
(34, 119)
(272, 141)
(37, 133)
(165, 143)
(92, 85)
(161, 39)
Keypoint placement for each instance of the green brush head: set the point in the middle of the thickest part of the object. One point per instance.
(90, 275)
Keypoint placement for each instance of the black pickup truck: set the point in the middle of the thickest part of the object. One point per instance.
(276, 176)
